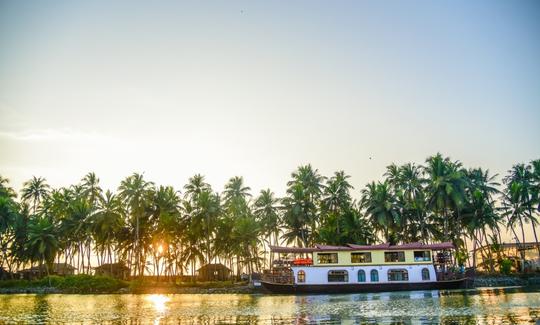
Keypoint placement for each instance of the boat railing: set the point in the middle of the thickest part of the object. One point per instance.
(445, 276)
(281, 278)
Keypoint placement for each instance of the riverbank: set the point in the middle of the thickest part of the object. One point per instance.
(506, 280)
(87, 284)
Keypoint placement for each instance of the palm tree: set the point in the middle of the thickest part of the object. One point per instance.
(246, 233)
(480, 212)
(336, 203)
(311, 183)
(445, 189)
(90, 187)
(521, 191)
(35, 190)
(42, 244)
(195, 186)
(169, 222)
(267, 212)
(407, 184)
(235, 190)
(296, 216)
(382, 207)
(5, 189)
(106, 222)
(137, 193)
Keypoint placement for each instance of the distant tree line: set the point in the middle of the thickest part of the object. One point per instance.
(161, 231)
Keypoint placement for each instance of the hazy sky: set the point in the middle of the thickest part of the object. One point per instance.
(258, 88)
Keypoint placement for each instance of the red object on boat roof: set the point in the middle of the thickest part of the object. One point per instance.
(303, 261)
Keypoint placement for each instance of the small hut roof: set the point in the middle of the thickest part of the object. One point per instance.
(213, 266)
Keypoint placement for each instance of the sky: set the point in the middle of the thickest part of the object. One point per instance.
(255, 89)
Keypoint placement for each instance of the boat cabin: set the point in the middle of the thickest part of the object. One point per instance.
(356, 264)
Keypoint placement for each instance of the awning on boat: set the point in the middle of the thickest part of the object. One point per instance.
(353, 247)
(282, 249)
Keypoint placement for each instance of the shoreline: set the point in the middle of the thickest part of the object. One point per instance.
(149, 290)
(241, 288)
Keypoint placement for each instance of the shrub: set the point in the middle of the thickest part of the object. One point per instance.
(506, 266)
(90, 283)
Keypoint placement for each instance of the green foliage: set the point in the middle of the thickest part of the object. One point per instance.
(506, 266)
(73, 283)
(154, 230)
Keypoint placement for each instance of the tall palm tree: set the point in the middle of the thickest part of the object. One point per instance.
(445, 189)
(336, 203)
(42, 243)
(296, 215)
(169, 222)
(195, 186)
(312, 185)
(382, 207)
(519, 199)
(137, 193)
(91, 189)
(480, 212)
(266, 210)
(35, 190)
(106, 223)
(407, 184)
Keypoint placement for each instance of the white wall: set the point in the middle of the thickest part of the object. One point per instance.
(319, 274)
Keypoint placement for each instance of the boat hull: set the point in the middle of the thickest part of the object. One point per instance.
(364, 287)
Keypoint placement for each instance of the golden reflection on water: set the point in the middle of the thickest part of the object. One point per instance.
(159, 302)
(471, 306)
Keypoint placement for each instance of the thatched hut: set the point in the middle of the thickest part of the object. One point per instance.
(213, 272)
(41, 271)
(114, 270)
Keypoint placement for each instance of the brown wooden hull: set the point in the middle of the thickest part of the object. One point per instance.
(364, 287)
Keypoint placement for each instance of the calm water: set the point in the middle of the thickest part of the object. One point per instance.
(491, 306)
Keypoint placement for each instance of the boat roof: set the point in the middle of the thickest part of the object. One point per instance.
(354, 247)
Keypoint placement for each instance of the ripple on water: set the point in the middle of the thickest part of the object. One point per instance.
(423, 307)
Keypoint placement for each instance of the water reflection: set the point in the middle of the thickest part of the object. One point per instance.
(158, 302)
(421, 307)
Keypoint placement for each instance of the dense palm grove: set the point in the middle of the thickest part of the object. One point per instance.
(162, 231)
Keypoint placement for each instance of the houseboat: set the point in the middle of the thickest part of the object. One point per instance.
(362, 268)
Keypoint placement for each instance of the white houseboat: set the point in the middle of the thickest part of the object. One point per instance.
(362, 268)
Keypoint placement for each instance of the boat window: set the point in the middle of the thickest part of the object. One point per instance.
(361, 257)
(301, 276)
(422, 256)
(361, 276)
(425, 274)
(394, 256)
(398, 275)
(374, 276)
(338, 276)
(327, 258)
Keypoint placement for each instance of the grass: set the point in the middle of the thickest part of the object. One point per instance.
(80, 283)
(83, 283)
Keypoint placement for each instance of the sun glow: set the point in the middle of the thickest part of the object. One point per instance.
(159, 302)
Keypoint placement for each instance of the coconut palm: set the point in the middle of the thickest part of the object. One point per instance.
(105, 223)
(34, 191)
(266, 210)
(296, 216)
(382, 208)
(311, 183)
(42, 244)
(445, 189)
(480, 213)
(137, 193)
(90, 187)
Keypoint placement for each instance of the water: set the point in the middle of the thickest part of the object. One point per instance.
(490, 306)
